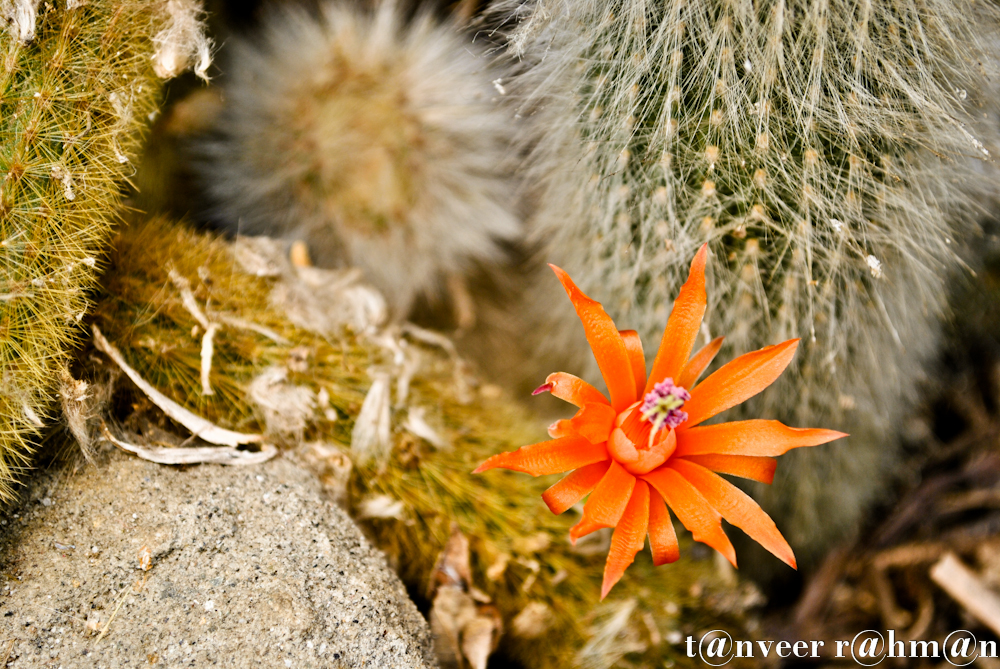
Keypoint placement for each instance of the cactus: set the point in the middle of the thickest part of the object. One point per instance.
(379, 142)
(521, 555)
(76, 84)
(825, 150)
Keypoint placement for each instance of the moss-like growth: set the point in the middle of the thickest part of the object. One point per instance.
(520, 551)
(77, 84)
(825, 150)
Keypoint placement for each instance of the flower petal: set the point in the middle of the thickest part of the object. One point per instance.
(629, 537)
(683, 324)
(737, 381)
(593, 422)
(698, 362)
(744, 466)
(638, 461)
(548, 457)
(662, 538)
(574, 487)
(692, 509)
(583, 528)
(574, 390)
(750, 437)
(633, 345)
(606, 504)
(738, 508)
(605, 342)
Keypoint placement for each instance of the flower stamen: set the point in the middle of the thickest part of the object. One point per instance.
(662, 406)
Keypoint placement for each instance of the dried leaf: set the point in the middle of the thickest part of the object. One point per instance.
(480, 636)
(966, 588)
(465, 633)
(466, 627)
(416, 424)
(260, 256)
(371, 436)
(533, 621)
(216, 455)
(496, 570)
(323, 301)
(287, 408)
(333, 467)
(198, 426)
(380, 506)
(451, 612)
(452, 566)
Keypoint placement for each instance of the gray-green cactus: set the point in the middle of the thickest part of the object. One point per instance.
(827, 151)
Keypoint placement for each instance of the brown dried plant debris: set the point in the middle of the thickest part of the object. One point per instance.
(930, 566)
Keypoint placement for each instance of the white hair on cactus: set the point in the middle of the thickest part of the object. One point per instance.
(182, 43)
(20, 16)
(381, 142)
(811, 143)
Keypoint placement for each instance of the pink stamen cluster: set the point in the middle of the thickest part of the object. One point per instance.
(662, 405)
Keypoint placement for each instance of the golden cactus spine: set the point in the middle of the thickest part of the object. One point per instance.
(77, 84)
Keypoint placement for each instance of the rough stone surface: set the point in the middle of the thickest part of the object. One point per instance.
(248, 567)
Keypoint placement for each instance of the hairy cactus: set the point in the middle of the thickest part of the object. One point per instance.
(77, 83)
(826, 151)
(378, 141)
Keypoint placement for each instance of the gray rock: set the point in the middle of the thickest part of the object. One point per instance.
(247, 567)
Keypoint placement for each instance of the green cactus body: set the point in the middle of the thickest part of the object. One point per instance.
(821, 149)
(76, 85)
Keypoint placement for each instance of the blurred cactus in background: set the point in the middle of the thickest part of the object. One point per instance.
(830, 154)
(77, 83)
(377, 139)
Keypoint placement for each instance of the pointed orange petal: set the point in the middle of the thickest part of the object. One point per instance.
(583, 528)
(737, 381)
(738, 508)
(562, 428)
(606, 504)
(692, 509)
(572, 389)
(750, 437)
(548, 457)
(744, 466)
(698, 362)
(574, 487)
(662, 538)
(682, 326)
(605, 342)
(633, 345)
(593, 422)
(629, 537)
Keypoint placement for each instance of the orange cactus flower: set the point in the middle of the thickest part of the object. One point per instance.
(645, 449)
